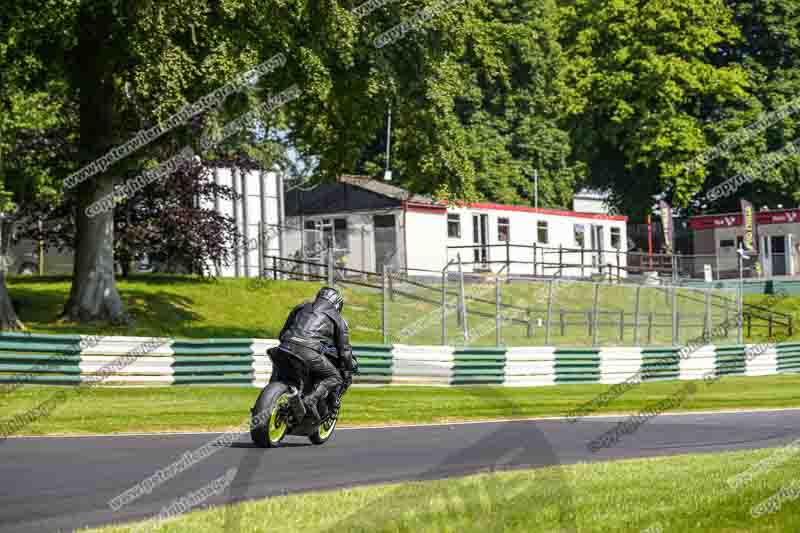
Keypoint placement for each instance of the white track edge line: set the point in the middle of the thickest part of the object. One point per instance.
(424, 425)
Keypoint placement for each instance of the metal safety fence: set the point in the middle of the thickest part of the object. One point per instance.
(455, 307)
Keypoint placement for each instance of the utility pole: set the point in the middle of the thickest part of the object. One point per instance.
(387, 174)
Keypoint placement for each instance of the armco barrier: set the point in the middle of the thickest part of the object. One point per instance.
(72, 359)
(51, 359)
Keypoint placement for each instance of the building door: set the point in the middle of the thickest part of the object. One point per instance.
(385, 241)
(480, 238)
(597, 245)
(778, 253)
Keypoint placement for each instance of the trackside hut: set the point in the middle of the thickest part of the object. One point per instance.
(778, 241)
(565, 243)
(372, 223)
(366, 221)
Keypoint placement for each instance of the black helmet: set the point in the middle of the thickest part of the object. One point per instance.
(332, 296)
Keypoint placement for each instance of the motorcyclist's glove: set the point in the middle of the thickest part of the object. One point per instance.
(348, 378)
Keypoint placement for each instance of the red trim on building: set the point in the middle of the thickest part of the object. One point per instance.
(526, 209)
(732, 220)
(425, 208)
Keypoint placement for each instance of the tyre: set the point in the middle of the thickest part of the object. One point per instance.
(268, 427)
(324, 432)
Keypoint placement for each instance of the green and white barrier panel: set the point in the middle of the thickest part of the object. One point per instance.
(75, 359)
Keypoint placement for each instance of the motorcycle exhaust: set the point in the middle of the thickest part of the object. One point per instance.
(296, 404)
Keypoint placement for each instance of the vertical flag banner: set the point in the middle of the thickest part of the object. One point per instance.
(666, 222)
(750, 240)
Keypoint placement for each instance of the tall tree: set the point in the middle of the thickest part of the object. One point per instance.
(38, 116)
(510, 106)
(641, 78)
(769, 53)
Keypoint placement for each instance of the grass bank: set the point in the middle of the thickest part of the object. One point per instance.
(188, 306)
(679, 494)
(115, 410)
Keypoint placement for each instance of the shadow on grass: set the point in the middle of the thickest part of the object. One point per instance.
(159, 305)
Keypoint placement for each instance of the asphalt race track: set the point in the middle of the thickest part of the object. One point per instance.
(58, 484)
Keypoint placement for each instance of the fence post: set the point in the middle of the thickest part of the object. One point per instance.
(497, 312)
(674, 271)
(508, 260)
(621, 325)
(331, 275)
(583, 274)
(749, 325)
(707, 322)
(444, 306)
(549, 312)
(560, 260)
(385, 309)
(462, 298)
(619, 274)
(589, 322)
(595, 301)
(636, 315)
(675, 333)
(274, 267)
(650, 327)
(562, 323)
(770, 325)
(534, 260)
(363, 253)
(391, 282)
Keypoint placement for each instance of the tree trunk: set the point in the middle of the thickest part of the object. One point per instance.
(8, 317)
(94, 295)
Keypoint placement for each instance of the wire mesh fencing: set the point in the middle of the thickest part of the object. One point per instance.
(455, 307)
(468, 309)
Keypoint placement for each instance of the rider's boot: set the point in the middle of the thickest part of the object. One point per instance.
(310, 403)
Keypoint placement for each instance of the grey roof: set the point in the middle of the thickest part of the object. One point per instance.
(385, 189)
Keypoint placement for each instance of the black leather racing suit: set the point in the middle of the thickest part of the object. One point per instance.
(313, 330)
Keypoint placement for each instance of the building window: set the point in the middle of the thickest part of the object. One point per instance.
(616, 238)
(340, 234)
(580, 235)
(541, 232)
(503, 229)
(726, 243)
(454, 225)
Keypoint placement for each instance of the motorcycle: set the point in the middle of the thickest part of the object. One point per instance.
(279, 410)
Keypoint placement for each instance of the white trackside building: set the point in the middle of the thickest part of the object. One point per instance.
(372, 223)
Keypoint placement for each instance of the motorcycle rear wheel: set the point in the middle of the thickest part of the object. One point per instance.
(268, 427)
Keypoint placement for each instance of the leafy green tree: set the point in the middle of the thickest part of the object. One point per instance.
(38, 117)
(769, 53)
(505, 113)
(640, 83)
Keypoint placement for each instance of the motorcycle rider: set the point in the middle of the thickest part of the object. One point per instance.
(316, 333)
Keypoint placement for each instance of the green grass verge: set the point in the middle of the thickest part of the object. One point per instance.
(188, 306)
(113, 409)
(678, 494)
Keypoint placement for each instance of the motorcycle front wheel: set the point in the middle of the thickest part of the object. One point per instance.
(324, 432)
(268, 425)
